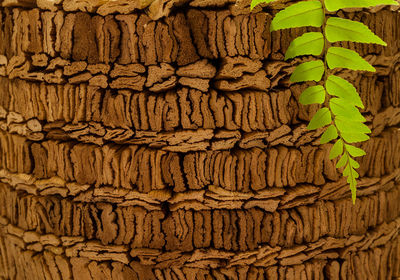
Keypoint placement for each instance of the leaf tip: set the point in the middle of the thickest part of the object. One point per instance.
(354, 196)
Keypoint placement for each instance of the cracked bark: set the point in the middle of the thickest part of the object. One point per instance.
(168, 143)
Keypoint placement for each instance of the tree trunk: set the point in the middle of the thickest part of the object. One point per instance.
(167, 143)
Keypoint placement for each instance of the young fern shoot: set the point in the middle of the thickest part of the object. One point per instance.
(343, 121)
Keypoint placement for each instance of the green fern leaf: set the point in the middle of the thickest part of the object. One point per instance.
(344, 58)
(336, 150)
(313, 95)
(329, 135)
(354, 163)
(348, 122)
(354, 151)
(347, 170)
(352, 175)
(311, 43)
(344, 110)
(339, 87)
(355, 174)
(354, 136)
(342, 161)
(321, 118)
(346, 125)
(351, 179)
(334, 5)
(339, 29)
(256, 2)
(304, 13)
(308, 71)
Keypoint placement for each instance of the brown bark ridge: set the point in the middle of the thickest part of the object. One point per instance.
(163, 140)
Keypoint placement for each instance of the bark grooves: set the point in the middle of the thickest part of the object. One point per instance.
(167, 143)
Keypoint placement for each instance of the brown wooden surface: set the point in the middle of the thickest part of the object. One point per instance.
(167, 143)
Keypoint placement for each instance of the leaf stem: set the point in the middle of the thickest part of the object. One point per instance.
(327, 98)
(353, 189)
(325, 41)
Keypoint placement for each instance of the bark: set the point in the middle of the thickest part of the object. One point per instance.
(168, 143)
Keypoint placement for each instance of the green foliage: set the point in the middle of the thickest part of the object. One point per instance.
(354, 136)
(337, 57)
(322, 118)
(343, 121)
(339, 87)
(337, 149)
(305, 13)
(340, 29)
(342, 161)
(313, 95)
(308, 71)
(311, 43)
(352, 175)
(354, 151)
(346, 125)
(329, 135)
(344, 110)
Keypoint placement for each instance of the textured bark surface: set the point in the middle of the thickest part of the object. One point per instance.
(168, 143)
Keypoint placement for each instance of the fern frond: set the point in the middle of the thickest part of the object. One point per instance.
(344, 122)
(304, 13)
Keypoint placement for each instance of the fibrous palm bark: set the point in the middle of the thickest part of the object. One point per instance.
(167, 143)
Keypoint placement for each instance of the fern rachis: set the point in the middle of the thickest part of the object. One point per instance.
(345, 124)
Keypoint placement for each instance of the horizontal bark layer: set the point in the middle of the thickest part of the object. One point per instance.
(163, 140)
